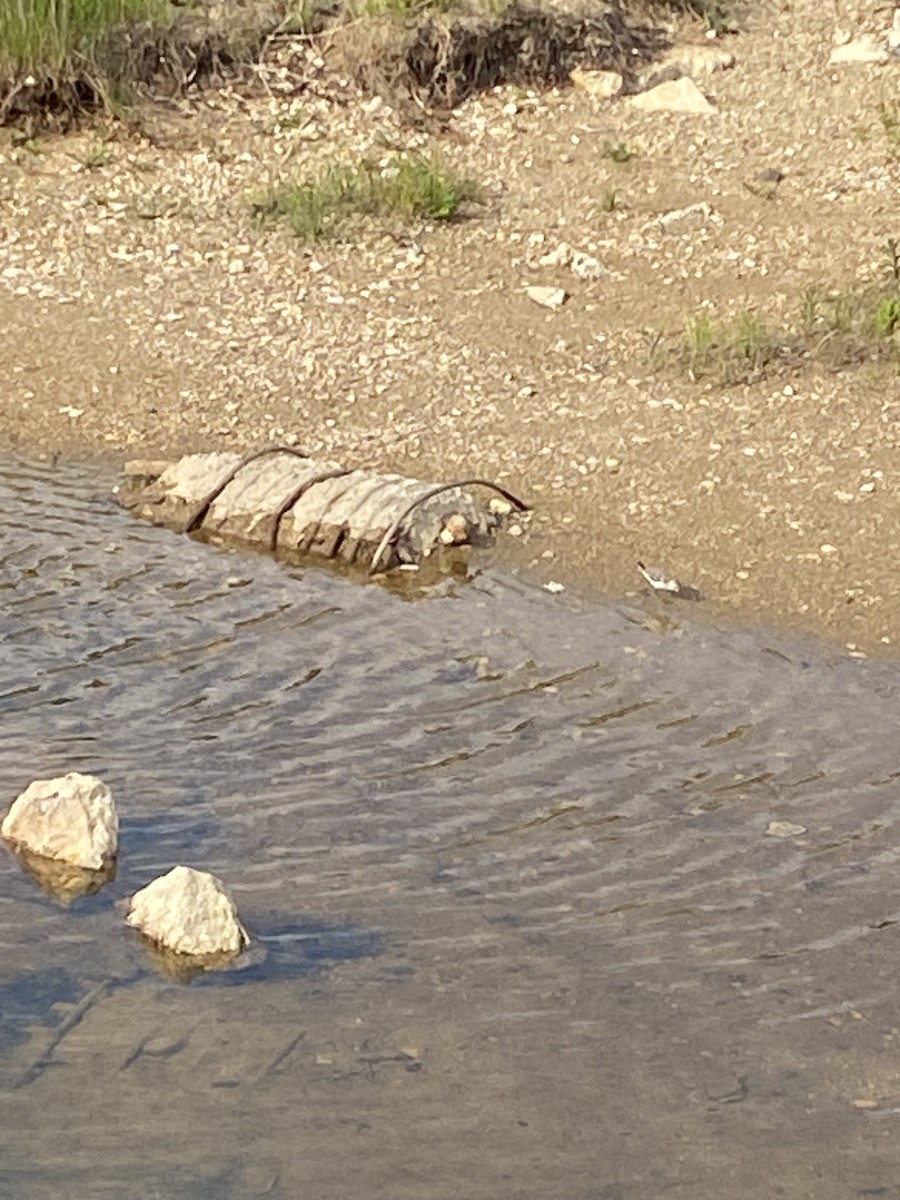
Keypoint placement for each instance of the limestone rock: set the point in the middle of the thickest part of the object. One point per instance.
(867, 49)
(547, 297)
(599, 84)
(189, 912)
(692, 217)
(676, 96)
(585, 266)
(72, 819)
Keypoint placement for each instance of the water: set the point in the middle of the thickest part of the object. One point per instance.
(520, 931)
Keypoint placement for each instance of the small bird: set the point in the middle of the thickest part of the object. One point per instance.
(662, 581)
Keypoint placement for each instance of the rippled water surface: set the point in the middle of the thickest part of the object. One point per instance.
(520, 931)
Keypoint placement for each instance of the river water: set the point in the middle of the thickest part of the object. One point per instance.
(520, 930)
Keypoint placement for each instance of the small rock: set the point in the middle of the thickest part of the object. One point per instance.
(585, 266)
(676, 96)
(599, 84)
(547, 297)
(189, 912)
(867, 49)
(72, 819)
(692, 216)
(784, 829)
(699, 60)
(560, 257)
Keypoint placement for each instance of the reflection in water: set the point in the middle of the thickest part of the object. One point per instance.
(522, 929)
(61, 880)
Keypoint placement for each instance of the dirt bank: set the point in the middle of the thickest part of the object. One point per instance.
(140, 307)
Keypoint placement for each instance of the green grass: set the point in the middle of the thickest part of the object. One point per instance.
(617, 152)
(49, 36)
(738, 350)
(610, 201)
(834, 329)
(410, 187)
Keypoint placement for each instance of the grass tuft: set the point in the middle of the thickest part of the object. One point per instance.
(52, 36)
(411, 187)
(734, 351)
(617, 152)
(833, 328)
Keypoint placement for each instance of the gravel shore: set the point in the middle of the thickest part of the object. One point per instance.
(143, 311)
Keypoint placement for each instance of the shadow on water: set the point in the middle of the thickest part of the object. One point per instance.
(547, 900)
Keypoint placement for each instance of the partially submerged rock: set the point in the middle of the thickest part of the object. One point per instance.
(279, 499)
(188, 912)
(72, 819)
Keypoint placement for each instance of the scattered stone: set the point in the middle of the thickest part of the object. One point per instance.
(560, 257)
(867, 49)
(699, 60)
(189, 912)
(585, 266)
(547, 297)
(692, 216)
(599, 84)
(784, 829)
(72, 819)
(675, 96)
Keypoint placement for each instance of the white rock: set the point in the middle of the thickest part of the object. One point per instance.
(72, 819)
(189, 912)
(675, 95)
(599, 84)
(585, 266)
(867, 49)
(690, 217)
(784, 829)
(560, 257)
(547, 297)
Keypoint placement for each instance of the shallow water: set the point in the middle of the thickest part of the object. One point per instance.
(519, 929)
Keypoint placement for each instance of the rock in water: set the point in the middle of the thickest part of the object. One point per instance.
(72, 819)
(189, 912)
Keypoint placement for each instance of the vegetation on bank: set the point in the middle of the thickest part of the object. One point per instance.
(833, 328)
(55, 36)
(328, 203)
(59, 58)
